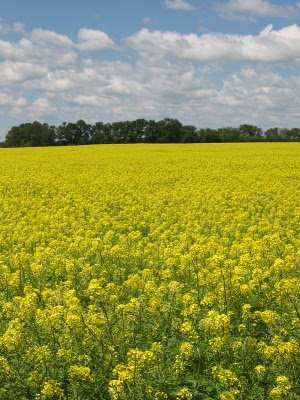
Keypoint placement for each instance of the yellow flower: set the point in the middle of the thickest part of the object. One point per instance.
(13, 335)
(225, 376)
(283, 387)
(215, 322)
(106, 250)
(79, 373)
(260, 370)
(217, 343)
(184, 394)
(51, 390)
(186, 349)
(229, 395)
(268, 316)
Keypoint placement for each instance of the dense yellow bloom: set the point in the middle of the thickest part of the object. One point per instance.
(51, 390)
(260, 370)
(216, 322)
(217, 343)
(188, 330)
(268, 316)
(79, 373)
(186, 349)
(283, 387)
(184, 394)
(11, 339)
(150, 271)
(224, 376)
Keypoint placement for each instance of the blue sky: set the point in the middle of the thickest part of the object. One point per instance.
(208, 63)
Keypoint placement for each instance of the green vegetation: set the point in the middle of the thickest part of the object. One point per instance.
(138, 131)
(150, 272)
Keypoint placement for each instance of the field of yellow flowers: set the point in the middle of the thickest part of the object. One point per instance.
(151, 272)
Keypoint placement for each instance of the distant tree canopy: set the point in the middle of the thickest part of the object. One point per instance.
(138, 131)
(31, 134)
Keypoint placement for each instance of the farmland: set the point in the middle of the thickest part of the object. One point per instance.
(152, 272)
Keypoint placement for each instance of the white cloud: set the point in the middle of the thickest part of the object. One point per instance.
(261, 95)
(20, 102)
(41, 107)
(18, 72)
(94, 40)
(45, 76)
(114, 90)
(26, 50)
(42, 36)
(8, 99)
(89, 100)
(8, 50)
(262, 8)
(179, 5)
(268, 46)
(54, 82)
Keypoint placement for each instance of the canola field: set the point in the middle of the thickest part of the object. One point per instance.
(151, 272)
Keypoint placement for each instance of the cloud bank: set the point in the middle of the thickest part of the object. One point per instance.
(207, 80)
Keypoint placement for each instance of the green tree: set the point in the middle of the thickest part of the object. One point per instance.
(250, 130)
(208, 135)
(73, 133)
(189, 134)
(101, 133)
(170, 131)
(229, 134)
(31, 134)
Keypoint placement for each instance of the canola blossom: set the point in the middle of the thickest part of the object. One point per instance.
(150, 272)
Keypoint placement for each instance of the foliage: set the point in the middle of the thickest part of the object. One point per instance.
(139, 131)
(30, 134)
(150, 272)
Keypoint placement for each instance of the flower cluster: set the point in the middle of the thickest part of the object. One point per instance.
(150, 272)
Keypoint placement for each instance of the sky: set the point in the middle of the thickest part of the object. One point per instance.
(208, 63)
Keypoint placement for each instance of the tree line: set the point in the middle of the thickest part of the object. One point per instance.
(138, 131)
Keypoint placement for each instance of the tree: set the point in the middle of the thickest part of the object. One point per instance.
(151, 133)
(293, 133)
(30, 134)
(250, 130)
(101, 133)
(208, 135)
(229, 134)
(189, 134)
(272, 133)
(140, 130)
(73, 133)
(170, 130)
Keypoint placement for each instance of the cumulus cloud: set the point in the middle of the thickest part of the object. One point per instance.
(49, 76)
(179, 5)
(88, 39)
(18, 72)
(262, 8)
(41, 107)
(268, 46)
(114, 90)
(26, 50)
(53, 82)
(94, 40)
(262, 94)
(42, 36)
(48, 47)
(8, 99)
(89, 100)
